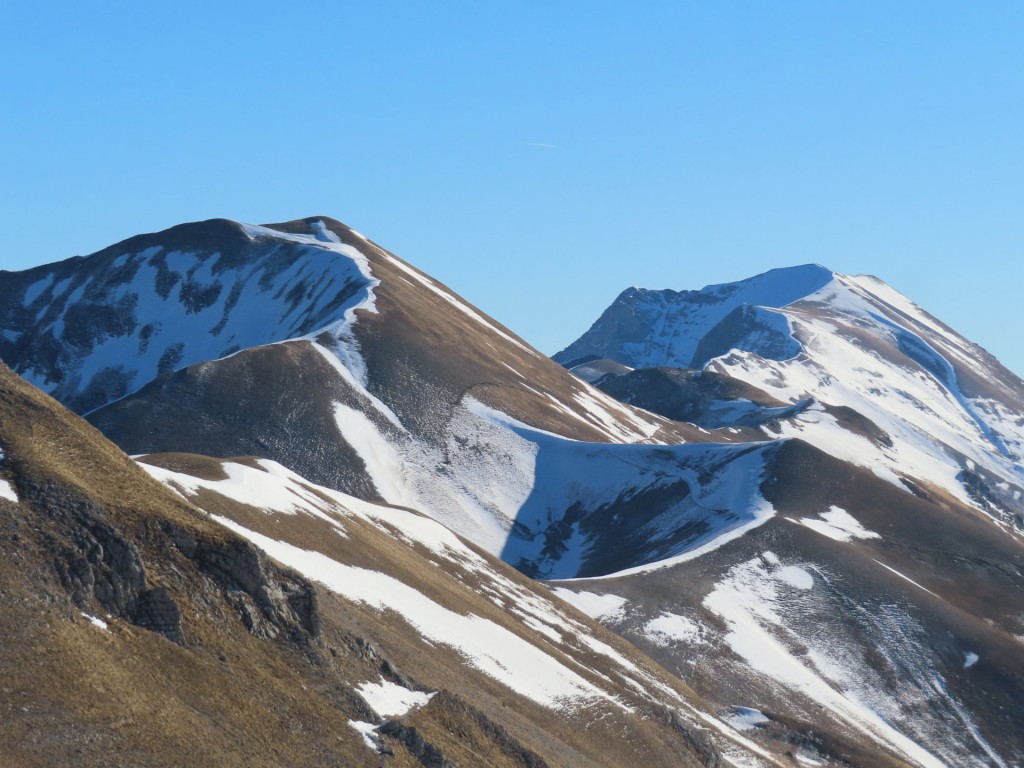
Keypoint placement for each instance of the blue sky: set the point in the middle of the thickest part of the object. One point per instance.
(539, 157)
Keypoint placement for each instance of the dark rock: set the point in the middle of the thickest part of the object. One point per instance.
(428, 754)
(97, 562)
(156, 611)
(268, 599)
(697, 739)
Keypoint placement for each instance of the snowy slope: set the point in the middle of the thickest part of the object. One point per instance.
(862, 610)
(645, 329)
(507, 629)
(951, 420)
(91, 330)
(930, 406)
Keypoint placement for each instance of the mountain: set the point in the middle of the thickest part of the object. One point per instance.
(894, 552)
(894, 389)
(398, 391)
(274, 622)
(794, 499)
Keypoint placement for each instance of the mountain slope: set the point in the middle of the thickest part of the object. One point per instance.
(860, 622)
(93, 329)
(644, 328)
(862, 612)
(943, 411)
(396, 391)
(139, 630)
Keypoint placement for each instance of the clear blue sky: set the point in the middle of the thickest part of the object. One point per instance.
(539, 157)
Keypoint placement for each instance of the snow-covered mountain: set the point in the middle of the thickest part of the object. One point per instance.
(895, 547)
(799, 493)
(893, 389)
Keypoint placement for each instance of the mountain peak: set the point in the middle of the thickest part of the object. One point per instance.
(623, 332)
(161, 301)
(780, 286)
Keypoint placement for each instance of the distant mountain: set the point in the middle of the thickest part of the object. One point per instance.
(799, 494)
(895, 547)
(894, 388)
(645, 329)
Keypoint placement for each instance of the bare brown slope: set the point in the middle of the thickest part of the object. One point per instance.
(274, 401)
(215, 655)
(173, 680)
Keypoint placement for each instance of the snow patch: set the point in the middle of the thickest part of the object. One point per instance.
(604, 608)
(368, 731)
(384, 465)
(906, 578)
(794, 576)
(35, 290)
(389, 699)
(838, 524)
(96, 622)
(970, 659)
(669, 628)
(745, 718)
(7, 491)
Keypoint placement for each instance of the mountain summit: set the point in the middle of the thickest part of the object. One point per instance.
(644, 328)
(949, 412)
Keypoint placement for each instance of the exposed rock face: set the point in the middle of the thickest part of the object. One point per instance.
(698, 738)
(284, 601)
(96, 562)
(426, 753)
(156, 610)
